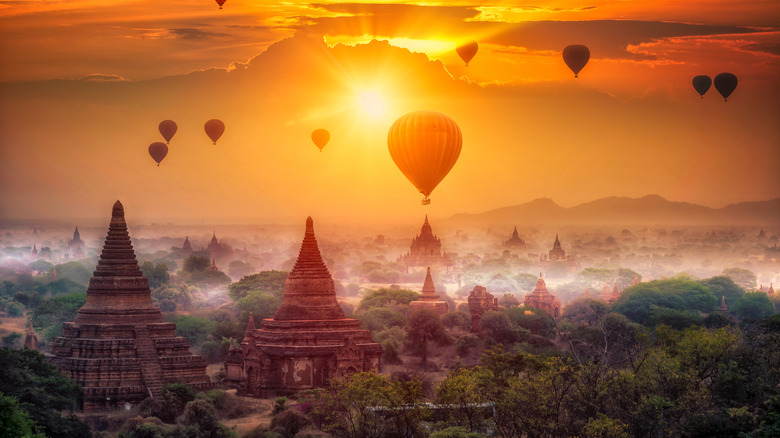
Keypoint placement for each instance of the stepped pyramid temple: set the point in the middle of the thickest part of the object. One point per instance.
(429, 300)
(118, 348)
(540, 298)
(307, 342)
(425, 251)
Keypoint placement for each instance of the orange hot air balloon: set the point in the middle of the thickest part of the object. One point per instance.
(320, 137)
(576, 57)
(214, 129)
(467, 50)
(424, 145)
(158, 150)
(167, 129)
(220, 3)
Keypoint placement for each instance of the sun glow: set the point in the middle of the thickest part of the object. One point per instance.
(372, 104)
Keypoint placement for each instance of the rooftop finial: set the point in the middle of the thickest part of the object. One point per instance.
(118, 212)
(309, 224)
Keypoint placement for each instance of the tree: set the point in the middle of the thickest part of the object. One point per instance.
(423, 326)
(723, 286)
(753, 306)
(638, 302)
(508, 301)
(49, 316)
(387, 298)
(194, 328)
(464, 392)
(743, 278)
(526, 282)
(42, 391)
(239, 269)
(196, 263)
(74, 271)
(208, 279)
(498, 328)
(14, 422)
(14, 309)
(458, 319)
(157, 275)
(261, 304)
(380, 318)
(271, 282)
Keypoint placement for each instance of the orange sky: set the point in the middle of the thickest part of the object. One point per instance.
(629, 126)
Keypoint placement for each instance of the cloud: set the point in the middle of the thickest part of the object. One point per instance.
(190, 33)
(770, 48)
(100, 77)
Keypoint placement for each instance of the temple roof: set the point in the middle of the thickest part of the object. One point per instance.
(426, 230)
(309, 292)
(557, 243)
(428, 289)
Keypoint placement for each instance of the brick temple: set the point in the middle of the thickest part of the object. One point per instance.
(480, 301)
(541, 298)
(429, 300)
(119, 349)
(307, 342)
(425, 250)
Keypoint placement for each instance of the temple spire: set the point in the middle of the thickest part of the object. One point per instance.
(723, 307)
(250, 328)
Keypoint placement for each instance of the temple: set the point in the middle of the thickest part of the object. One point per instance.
(556, 263)
(515, 241)
(542, 299)
(119, 349)
(723, 307)
(307, 342)
(556, 253)
(615, 294)
(31, 339)
(76, 245)
(214, 246)
(426, 251)
(480, 301)
(186, 247)
(429, 300)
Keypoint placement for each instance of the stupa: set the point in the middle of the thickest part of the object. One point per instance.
(515, 241)
(307, 342)
(480, 301)
(429, 300)
(119, 349)
(541, 298)
(30, 338)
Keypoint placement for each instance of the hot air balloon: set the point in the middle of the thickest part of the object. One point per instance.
(158, 150)
(320, 137)
(702, 83)
(424, 145)
(167, 129)
(467, 50)
(725, 83)
(220, 3)
(576, 57)
(214, 129)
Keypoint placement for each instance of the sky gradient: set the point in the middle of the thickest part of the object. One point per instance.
(85, 83)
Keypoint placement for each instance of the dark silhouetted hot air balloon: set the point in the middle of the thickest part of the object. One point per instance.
(467, 50)
(576, 57)
(424, 145)
(168, 129)
(320, 137)
(220, 3)
(214, 129)
(725, 83)
(158, 150)
(702, 83)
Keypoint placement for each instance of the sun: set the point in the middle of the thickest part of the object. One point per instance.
(371, 103)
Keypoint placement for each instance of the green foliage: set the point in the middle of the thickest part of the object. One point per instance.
(498, 328)
(63, 286)
(74, 271)
(41, 391)
(380, 318)
(605, 427)
(239, 269)
(640, 302)
(369, 405)
(289, 422)
(261, 304)
(14, 422)
(208, 279)
(271, 282)
(753, 306)
(49, 316)
(465, 391)
(466, 343)
(156, 274)
(196, 263)
(677, 319)
(455, 432)
(585, 311)
(460, 320)
(194, 328)
(13, 340)
(14, 309)
(181, 392)
(139, 427)
(723, 286)
(742, 277)
(387, 298)
(425, 325)
(532, 319)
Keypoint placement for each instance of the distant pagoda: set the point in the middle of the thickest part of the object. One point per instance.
(541, 298)
(187, 246)
(425, 250)
(307, 342)
(515, 241)
(556, 253)
(429, 300)
(30, 338)
(119, 349)
(76, 245)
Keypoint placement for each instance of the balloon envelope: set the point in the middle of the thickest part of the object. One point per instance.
(167, 129)
(220, 3)
(424, 145)
(320, 137)
(702, 83)
(576, 57)
(214, 129)
(725, 83)
(158, 150)
(467, 50)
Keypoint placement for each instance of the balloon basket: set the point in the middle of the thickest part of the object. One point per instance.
(426, 201)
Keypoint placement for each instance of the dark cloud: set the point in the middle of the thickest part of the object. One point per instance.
(189, 33)
(771, 48)
(606, 38)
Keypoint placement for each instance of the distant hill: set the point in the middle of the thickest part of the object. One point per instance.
(647, 210)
